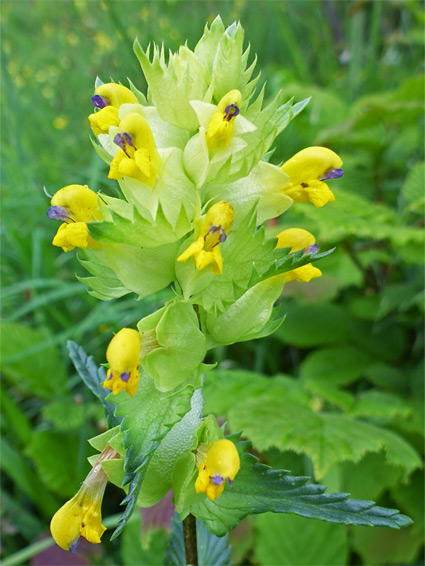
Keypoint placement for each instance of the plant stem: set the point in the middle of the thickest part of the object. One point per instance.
(189, 534)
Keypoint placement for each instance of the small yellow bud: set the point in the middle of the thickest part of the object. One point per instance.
(123, 357)
(217, 462)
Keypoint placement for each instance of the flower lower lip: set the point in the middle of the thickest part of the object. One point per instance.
(98, 101)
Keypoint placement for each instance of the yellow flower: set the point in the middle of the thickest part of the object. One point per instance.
(220, 129)
(123, 357)
(205, 249)
(81, 515)
(297, 239)
(217, 462)
(138, 157)
(74, 205)
(307, 170)
(108, 98)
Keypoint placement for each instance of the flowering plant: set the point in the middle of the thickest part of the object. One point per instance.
(192, 159)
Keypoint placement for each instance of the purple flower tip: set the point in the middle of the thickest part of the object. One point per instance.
(98, 101)
(218, 229)
(217, 480)
(125, 376)
(333, 174)
(122, 140)
(231, 111)
(73, 547)
(312, 249)
(58, 213)
(231, 483)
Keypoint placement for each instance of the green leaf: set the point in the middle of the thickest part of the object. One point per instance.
(180, 345)
(147, 551)
(105, 285)
(161, 473)
(32, 373)
(93, 377)
(258, 489)
(327, 438)
(339, 365)
(212, 550)
(65, 415)
(412, 192)
(147, 418)
(55, 457)
(313, 325)
(20, 473)
(156, 264)
(327, 543)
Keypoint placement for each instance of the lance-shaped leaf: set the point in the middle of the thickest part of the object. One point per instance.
(257, 489)
(93, 377)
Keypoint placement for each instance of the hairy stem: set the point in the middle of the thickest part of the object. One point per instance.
(189, 534)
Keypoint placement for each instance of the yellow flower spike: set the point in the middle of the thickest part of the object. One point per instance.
(123, 358)
(108, 98)
(220, 129)
(307, 170)
(137, 157)
(298, 239)
(74, 205)
(205, 250)
(217, 462)
(81, 515)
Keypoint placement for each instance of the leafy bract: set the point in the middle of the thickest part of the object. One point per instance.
(258, 489)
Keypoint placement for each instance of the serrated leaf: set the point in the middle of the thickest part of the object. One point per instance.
(212, 550)
(327, 543)
(337, 365)
(258, 489)
(327, 438)
(93, 377)
(413, 189)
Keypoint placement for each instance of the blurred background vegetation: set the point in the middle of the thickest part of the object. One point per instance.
(349, 410)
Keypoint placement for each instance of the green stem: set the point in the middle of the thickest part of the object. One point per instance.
(190, 544)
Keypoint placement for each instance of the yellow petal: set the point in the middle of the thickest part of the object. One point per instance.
(116, 94)
(194, 248)
(123, 351)
(316, 192)
(80, 202)
(220, 130)
(310, 164)
(222, 459)
(220, 214)
(104, 118)
(303, 274)
(295, 238)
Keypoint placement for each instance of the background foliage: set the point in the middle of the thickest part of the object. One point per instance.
(337, 392)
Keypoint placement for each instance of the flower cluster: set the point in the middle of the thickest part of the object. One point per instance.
(194, 190)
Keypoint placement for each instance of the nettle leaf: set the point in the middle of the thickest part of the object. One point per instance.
(93, 377)
(258, 489)
(147, 417)
(211, 549)
(327, 438)
(279, 414)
